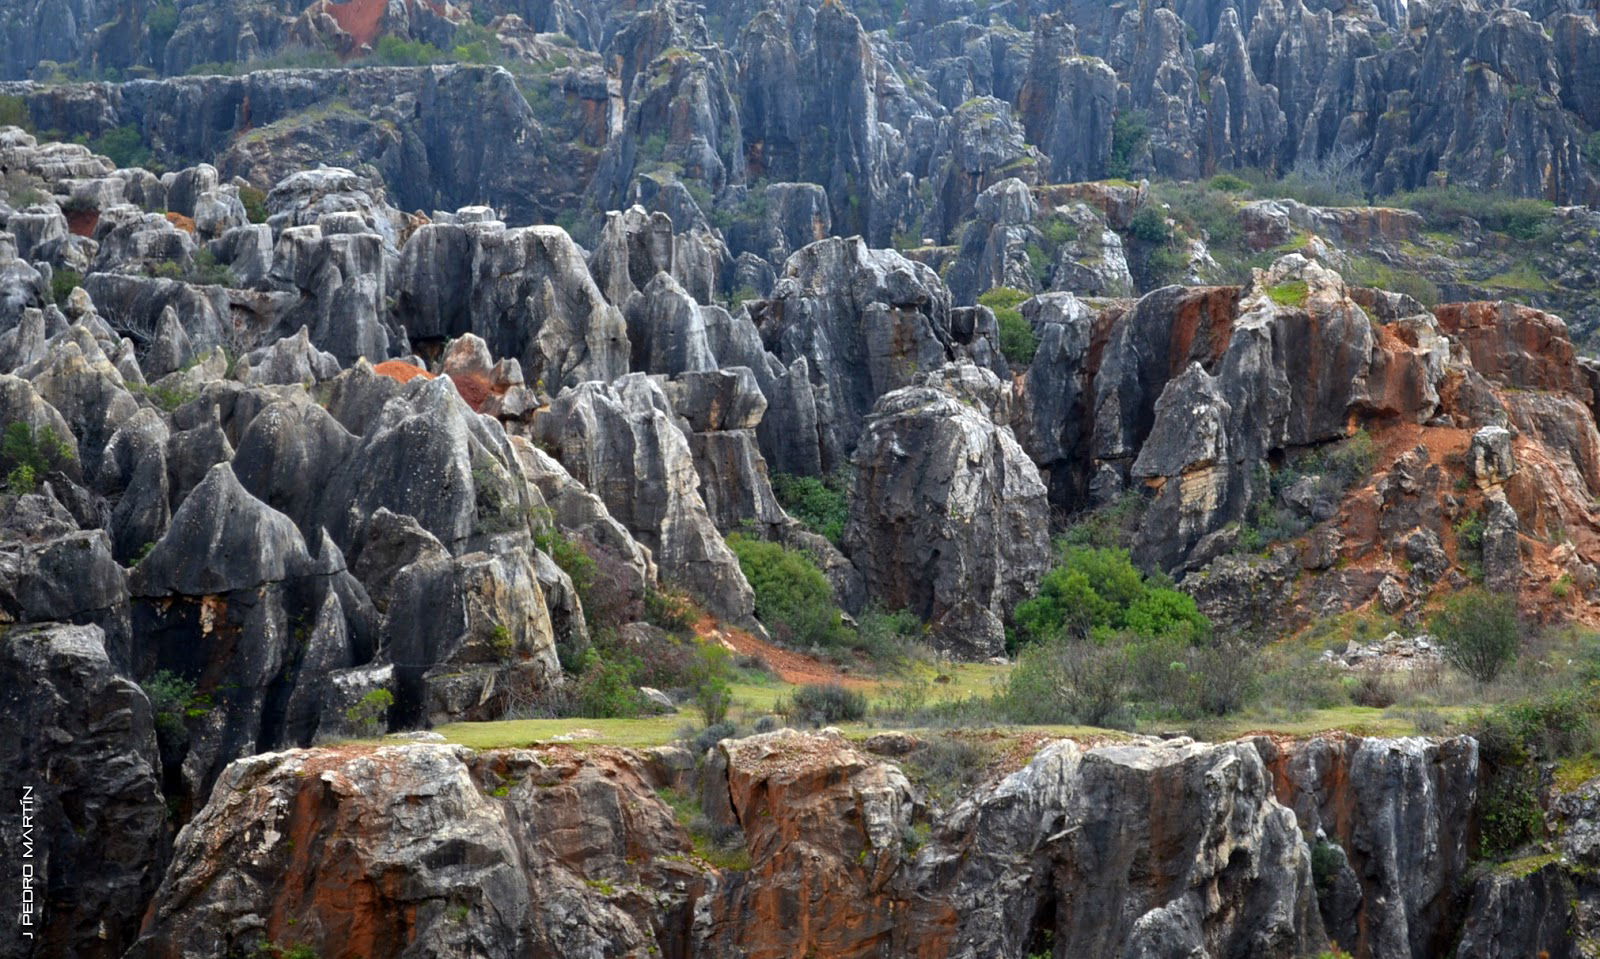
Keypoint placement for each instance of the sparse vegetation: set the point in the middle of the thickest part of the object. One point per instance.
(62, 282)
(124, 145)
(367, 716)
(1521, 218)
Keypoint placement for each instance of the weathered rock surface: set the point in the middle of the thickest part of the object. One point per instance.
(948, 515)
(620, 442)
(80, 759)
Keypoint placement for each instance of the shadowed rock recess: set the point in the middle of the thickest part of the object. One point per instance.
(769, 479)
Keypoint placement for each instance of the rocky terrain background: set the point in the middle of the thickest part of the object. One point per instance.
(370, 367)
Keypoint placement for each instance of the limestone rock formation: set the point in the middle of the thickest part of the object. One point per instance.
(948, 515)
(81, 761)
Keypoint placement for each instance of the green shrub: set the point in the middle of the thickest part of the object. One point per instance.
(670, 610)
(712, 698)
(1228, 183)
(1202, 208)
(575, 561)
(14, 112)
(1017, 340)
(820, 505)
(1479, 632)
(1150, 226)
(161, 22)
(208, 272)
(62, 282)
(173, 700)
(1065, 679)
(793, 597)
(1095, 593)
(22, 480)
(367, 716)
(393, 51)
(1112, 525)
(29, 455)
(1130, 132)
(606, 689)
(824, 705)
(1509, 814)
(124, 145)
(255, 203)
(888, 637)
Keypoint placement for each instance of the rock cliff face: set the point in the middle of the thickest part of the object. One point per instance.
(1133, 849)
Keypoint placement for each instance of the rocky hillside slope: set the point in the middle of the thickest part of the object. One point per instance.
(368, 367)
(299, 462)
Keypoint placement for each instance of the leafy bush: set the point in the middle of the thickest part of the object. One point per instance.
(1479, 632)
(14, 112)
(824, 705)
(1228, 183)
(29, 455)
(1149, 225)
(255, 203)
(670, 610)
(820, 505)
(793, 598)
(1017, 340)
(888, 636)
(1066, 679)
(606, 689)
(1130, 132)
(62, 282)
(1095, 593)
(208, 272)
(393, 51)
(161, 22)
(1204, 208)
(124, 145)
(712, 698)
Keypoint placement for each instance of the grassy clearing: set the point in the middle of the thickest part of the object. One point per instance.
(964, 680)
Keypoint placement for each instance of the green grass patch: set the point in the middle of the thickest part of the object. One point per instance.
(1292, 293)
(1523, 276)
(1527, 865)
(1575, 771)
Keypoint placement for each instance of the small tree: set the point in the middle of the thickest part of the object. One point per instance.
(712, 698)
(367, 715)
(1479, 632)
